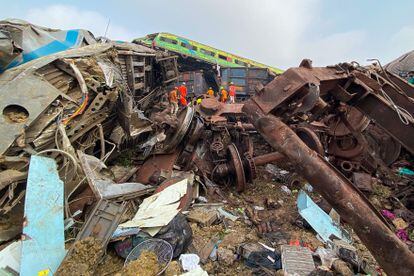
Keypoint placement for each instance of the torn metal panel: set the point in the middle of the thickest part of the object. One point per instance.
(105, 188)
(103, 221)
(151, 169)
(386, 116)
(43, 246)
(19, 112)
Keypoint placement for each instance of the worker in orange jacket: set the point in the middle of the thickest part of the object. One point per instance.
(173, 97)
(210, 92)
(183, 94)
(232, 93)
(223, 94)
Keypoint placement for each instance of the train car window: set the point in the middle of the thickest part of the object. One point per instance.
(207, 52)
(239, 62)
(189, 46)
(168, 40)
(222, 57)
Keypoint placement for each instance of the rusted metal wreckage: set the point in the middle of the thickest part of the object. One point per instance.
(86, 106)
(354, 95)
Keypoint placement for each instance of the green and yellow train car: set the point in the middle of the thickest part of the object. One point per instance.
(190, 48)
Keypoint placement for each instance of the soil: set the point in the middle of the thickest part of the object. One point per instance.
(145, 265)
(15, 114)
(82, 258)
(110, 265)
(173, 269)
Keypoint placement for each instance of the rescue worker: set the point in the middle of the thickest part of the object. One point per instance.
(199, 100)
(210, 92)
(173, 98)
(232, 93)
(223, 94)
(183, 94)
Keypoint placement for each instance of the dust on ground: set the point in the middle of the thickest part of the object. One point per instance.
(82, 259)
(173, 269)
(110, 265)
(146, 265)
(15, 114)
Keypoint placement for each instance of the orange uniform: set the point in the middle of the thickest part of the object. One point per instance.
(183, 91)
(173, 97)
(183, 101)
(223, 95)
(232, 91)
(210, 92)
(183, 95)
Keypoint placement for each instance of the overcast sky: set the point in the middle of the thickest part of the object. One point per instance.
(275, 32)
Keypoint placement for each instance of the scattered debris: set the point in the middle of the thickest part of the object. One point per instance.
(159, 209)
(10, 258)
(203, 216)
(297, 260)
(320, 221)
(133, 151)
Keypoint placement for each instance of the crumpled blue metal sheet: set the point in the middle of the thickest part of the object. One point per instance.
(320, 221)
(43, 247)
(38, 41)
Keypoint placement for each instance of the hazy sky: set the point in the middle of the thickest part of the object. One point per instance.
(275, 32)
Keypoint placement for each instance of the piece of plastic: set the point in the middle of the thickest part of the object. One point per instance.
(405, 171)
(189, 262)
(320, 221)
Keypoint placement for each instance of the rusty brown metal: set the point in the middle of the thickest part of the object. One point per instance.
(152, 167)
(214, 111)
(237, 165)
(299, 90)
(310, 138)
(268, 158)
(390, 252)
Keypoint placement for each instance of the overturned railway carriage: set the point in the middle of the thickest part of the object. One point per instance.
(199, 51)
(218, 67)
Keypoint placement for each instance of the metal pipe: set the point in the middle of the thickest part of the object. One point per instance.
(268, 158)
(390, 252)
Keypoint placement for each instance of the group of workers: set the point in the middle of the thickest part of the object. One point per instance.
(179, 94)
(225, 96)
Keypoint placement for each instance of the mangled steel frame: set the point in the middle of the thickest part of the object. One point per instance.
(300, 90)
